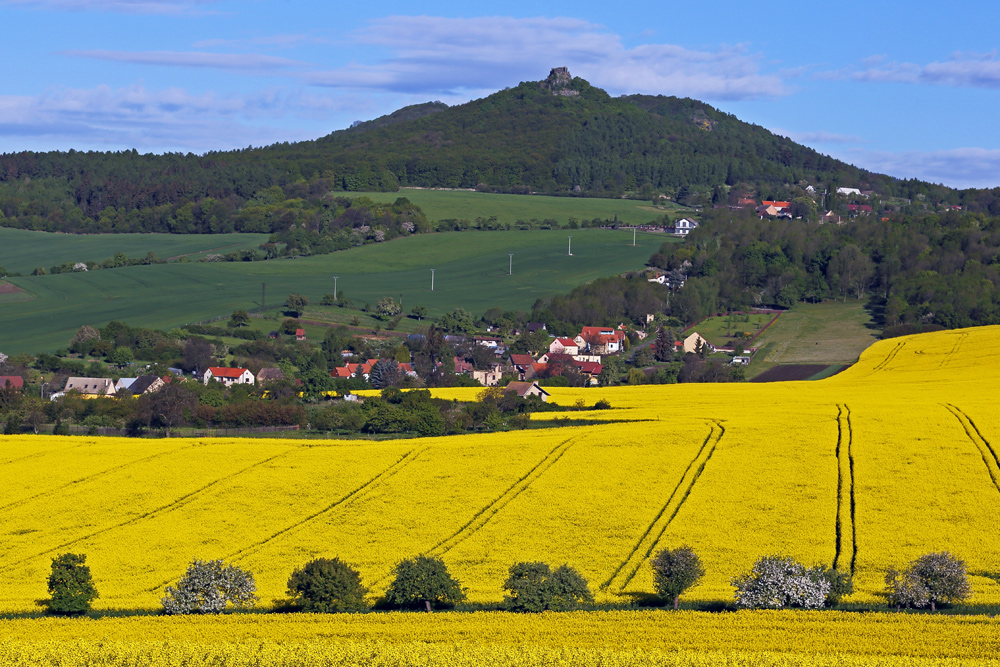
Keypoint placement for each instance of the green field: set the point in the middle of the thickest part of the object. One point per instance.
(445, 204)
(719, 330)
(21, 251)
(471, 272)
(830, 333)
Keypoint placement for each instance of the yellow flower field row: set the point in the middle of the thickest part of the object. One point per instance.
(891, 459)
(580, 638)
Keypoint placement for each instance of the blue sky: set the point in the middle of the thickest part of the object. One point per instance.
(909, 89)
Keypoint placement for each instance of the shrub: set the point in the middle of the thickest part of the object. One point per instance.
(780, 582)
(70, 585)
(208, 587)
(675, 571)
(928, 580)
(423, 581)
(326, 586)
(534, 587)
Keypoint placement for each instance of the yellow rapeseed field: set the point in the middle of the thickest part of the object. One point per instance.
(894, 458)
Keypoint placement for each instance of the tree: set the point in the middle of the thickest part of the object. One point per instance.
(675, 571)
(296, 304)
(120, 357)
(780, 582)
(84, 339)
(385, 373)
(70, 585)
(239, 318)
(534, 587)
(928, 580)
(197, 355)
(326, 586)
(167, 407)
(423, 581)
(208, 587)
(386, 308)
(418, 312)
(663, 346)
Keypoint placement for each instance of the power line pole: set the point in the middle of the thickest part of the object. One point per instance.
(335, 297)
(510, 270)
(633, 237)
(432, 279)
(570, 253)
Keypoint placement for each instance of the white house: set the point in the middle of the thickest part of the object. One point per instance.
(848, 191)
(684, 226)
(564, 346)
(229, 376)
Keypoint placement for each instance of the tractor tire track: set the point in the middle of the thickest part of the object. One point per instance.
(888, 358)
(89, 478)
(345, 500)
(486, 514)
(951, 354)
(986, 450)
(846, 532)
(666, 515)
(152, 514)
(35, 455)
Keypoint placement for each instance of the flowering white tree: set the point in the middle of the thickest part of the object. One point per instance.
(928, 580)
(208, 587)
(781, 582)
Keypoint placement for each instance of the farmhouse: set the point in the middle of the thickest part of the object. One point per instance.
(300, 334)
(564, 346)
(89, 386)
(684, 226)
(692, 343)
(146, 384)
(526, 389)
(229, 376)
(601, 340)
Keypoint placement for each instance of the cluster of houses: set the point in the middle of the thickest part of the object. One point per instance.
(89, 387)
(583, 353)
(768, 208)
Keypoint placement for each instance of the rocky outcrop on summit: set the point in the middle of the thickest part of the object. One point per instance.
(559, 82)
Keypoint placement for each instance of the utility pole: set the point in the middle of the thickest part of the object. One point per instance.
(633, 237)
(570, 246)
(432, 279)
(510, 270)
(335, 297)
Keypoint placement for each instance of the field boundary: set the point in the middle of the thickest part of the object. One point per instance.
(669, 510)
(845, 523)
(986, 451)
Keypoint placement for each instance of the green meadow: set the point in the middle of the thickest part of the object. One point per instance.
(471, 271)
(447, 204)
(22, 251)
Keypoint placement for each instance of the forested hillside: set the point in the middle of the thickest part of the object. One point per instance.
(559, 136)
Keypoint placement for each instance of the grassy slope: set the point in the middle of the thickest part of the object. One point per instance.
(21, 251)
(443, 204)
(826, 333)
(471, 273)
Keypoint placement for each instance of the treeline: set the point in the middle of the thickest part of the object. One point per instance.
(932, 269)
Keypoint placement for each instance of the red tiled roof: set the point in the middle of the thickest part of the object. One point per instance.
(590, 367)
(521, 359)
(223, 372)
(16, 381)
(566, 342)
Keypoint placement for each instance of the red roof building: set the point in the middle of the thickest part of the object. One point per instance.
(15, 381)
(229, 376)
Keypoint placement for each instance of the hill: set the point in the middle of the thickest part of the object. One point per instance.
(559, 136)
(889, 460)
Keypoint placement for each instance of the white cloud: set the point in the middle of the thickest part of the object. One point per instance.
(964, 70)
(232, 61)
(446, 55)
(157, 120)
(116, 6)
(958, 167)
